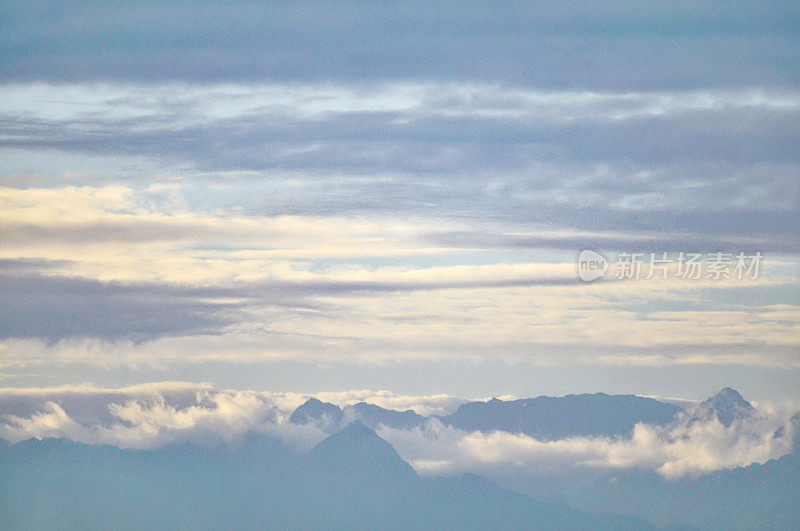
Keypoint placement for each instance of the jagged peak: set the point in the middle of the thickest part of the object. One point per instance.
(727, 405)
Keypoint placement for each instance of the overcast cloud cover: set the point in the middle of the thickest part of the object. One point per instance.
(382, 194)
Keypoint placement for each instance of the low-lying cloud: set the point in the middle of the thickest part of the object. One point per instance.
(154, 415)
(148, 416)
(677, 450)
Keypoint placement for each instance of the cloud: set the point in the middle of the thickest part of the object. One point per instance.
(387, 219)
(147, 416)
(156, 414)
(91, 402)
(616, 143)
(245, 183)
(683, 448)
(54, 308)
(184, 104)
(324, 321)
(583, 160)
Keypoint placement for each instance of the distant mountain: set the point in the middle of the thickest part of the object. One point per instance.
(59, 484)
(554, 418)
(352, 479)
(359, 451)
(356, 479)
(366, 484)
(375, 416)
(543, 417)
(753, 497)
(727, 406)
(329, 417)
(324, 415)
(474, 502)
(757, 496)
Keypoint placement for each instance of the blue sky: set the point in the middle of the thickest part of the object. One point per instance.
(327, 196)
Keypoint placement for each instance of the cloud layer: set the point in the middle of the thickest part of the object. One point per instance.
(617, 45)
(673, 451)
(589, 161)
(114, 267)
(318, 183)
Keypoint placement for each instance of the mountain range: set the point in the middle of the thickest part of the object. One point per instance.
(356, 479)
(551, 418)
(544, 417)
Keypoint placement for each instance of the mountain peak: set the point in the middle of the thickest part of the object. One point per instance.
(359, 430)
(356, 435)
(731, 394)
(326, 416)
(727, 405)
(358, 450)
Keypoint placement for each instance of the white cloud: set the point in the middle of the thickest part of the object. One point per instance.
(328, 287)
(195, 105)
(683, 448)
(148, 416)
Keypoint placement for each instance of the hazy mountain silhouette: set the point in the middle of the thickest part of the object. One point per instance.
(752, 497)
(59, 484)
(359, 481)
(352, 479)
(356, 479)
(329, 416)
(374, 416)
(358, 451)
(553, 418)
(326, 416)
(727, 406)
(543, 417)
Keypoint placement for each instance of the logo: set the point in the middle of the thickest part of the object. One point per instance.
(591, 265)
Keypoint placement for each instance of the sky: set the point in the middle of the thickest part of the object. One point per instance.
(323, 197)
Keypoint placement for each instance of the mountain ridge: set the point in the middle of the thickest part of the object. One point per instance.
(551, 418)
